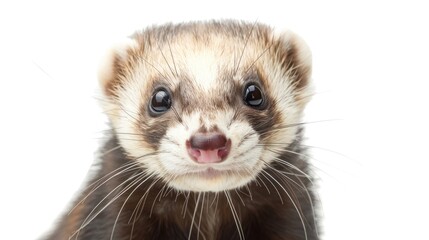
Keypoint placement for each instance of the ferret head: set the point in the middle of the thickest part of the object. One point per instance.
(206, 106)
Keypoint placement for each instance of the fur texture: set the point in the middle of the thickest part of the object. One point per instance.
(148, 186)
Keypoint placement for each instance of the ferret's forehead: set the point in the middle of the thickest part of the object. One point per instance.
(204, 65)
(203, 55)
(218, 52)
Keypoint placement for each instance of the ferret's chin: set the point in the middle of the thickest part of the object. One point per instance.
(211, 180)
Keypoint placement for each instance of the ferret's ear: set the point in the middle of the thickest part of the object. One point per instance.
(295, 58)
(113, 66)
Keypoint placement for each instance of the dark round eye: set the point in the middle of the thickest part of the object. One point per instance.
(253, 96)
(160, 101)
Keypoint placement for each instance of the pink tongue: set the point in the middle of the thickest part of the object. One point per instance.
(208, 156)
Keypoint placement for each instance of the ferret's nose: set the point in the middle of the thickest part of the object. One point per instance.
(208, 147)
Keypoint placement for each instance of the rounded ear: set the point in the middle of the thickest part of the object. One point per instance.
(295, 57)
(112, 65)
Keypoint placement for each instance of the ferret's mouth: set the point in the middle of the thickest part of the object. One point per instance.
(210, 173)
(211, 178)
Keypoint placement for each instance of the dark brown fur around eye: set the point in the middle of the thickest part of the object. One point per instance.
(131, 195)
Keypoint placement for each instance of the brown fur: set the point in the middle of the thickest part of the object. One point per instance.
(264, 212)
(137, 202)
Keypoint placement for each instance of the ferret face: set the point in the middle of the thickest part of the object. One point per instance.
(206, 106)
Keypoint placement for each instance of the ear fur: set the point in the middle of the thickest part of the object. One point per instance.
(112, 65)
(295, 57)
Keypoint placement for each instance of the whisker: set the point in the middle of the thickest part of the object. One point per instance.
(313, 209)
(214, 199)
(264, 173)
(282, 174)
(117, 172)
(159, 194)
(109, 151)
(179, 118)
(281, 127)
(142, 201)
(42, 69)
(126, 200)
(144, 135)
(250, 192)
(185, 205)
(92, 216)
(302, 187)
(290, 165)
(327, 150)
(298, 210)
(235, 216)
(241, 199)
(263, 183)
(244, 48)
(128, 114)
(172, 58)
(139, 176)
(156, 69)
(165, 59)
(234, 117)
(201, 215)
(257, 59)
(193, 215)
(301, 155)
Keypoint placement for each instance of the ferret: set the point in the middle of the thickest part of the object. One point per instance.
(206, 138)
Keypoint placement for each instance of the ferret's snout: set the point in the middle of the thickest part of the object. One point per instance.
(208, 147)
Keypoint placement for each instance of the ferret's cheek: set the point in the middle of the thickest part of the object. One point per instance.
(172, 149)
(244, 139)
(131, 139)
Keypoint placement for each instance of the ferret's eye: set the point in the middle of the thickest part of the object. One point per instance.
(160, 102)
(253, 96)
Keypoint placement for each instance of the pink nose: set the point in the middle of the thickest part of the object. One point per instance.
(208, 147)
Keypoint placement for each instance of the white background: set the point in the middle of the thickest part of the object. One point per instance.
(370, 72)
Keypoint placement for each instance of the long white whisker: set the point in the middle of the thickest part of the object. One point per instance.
(185, 205)
(126, 200)
(294, 204)
(328, 150)
(92, 216)
(165, 59)
(128, 167)
(241, 199)
(250, 192)
(281, 127)
(264, 173)
(313, 209)
(298, 154)
(109, 151)
(142, 200)
(283, 174)
(128, 114)
(235, 216)
(263, 183)
(244, 48)
(172, 58)
(193, 216)
(156, 69)
(201, 215)
(159, 194)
